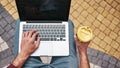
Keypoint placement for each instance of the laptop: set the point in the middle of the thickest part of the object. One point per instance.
(50, 19)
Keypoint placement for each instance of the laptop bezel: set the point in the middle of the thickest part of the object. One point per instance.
(21, 15)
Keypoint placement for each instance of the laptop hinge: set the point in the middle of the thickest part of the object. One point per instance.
(44, 21)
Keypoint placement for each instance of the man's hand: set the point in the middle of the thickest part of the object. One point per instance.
(82, 48)
(28, 46)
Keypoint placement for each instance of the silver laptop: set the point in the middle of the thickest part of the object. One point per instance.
(50, 19)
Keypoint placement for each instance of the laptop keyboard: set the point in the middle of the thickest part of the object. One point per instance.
(48, 32)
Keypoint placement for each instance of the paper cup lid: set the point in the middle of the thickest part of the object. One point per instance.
(84, 34)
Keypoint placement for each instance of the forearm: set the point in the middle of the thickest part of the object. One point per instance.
(84, 62)
(20, 60)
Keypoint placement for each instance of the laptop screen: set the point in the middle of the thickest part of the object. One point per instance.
(43, 10)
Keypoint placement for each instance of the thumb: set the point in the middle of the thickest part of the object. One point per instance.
(76, 39)
(37, 43)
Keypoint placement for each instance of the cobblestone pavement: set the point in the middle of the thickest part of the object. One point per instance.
(103, 16)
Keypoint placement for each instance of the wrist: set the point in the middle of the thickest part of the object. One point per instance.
(20, 59)
(82, 51)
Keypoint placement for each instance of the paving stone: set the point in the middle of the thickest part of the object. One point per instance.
(5, 62)
(0, 16)
(15, 16)
(0, 50)
(114, 4)
(3, 23)
(116, 29)
(14, 24)
(106, 57)
(110, 17)
(103, 44)
(105, 13)
(9, 19)
(85, 5)
(95, 13)
(105, 64)
(113, 60)
(92, 2)
(8, 27)
(91, 65)
(118, 39)
(100, 17)
(118, 7)
(107, 31)
(79, 9)
(116, 14)
(108, 7)
(97, 23)
(96, 40)
(116, 54)
(101, 35)
(118, 64)
(107, 39)
(11, 32)
(4, 2)
(8, 7)
(90, 18)
(112, 26)
(4, 46)
(117, 67)
(111, 66)
(12, 11)
(100, 9)
(84, 13)
(113, 35)
(103, 3)
(9, 52)
(1, 8)
(89, 50)
(95, 60)
(100, 55)
(106, 22)
(3, 55)
(97, 66)
(112, 10)
(10, 43)
(114, 44)
(5, 36)
(90, 58)
(75, 14)
(1, 40)
(96, 31)
(99, 63)
(81, 19)
(115, 21)
(1, 30)
(4, 14)
(90, 10)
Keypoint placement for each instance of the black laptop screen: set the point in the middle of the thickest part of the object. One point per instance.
(43, 10)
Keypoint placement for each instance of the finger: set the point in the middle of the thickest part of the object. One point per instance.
(76, 39)
(37, 43)
(31, 33)
(23, 35)
(26, 34)
(34, 35)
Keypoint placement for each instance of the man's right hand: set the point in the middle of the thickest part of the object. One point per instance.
(28, 46)
(82, 46)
